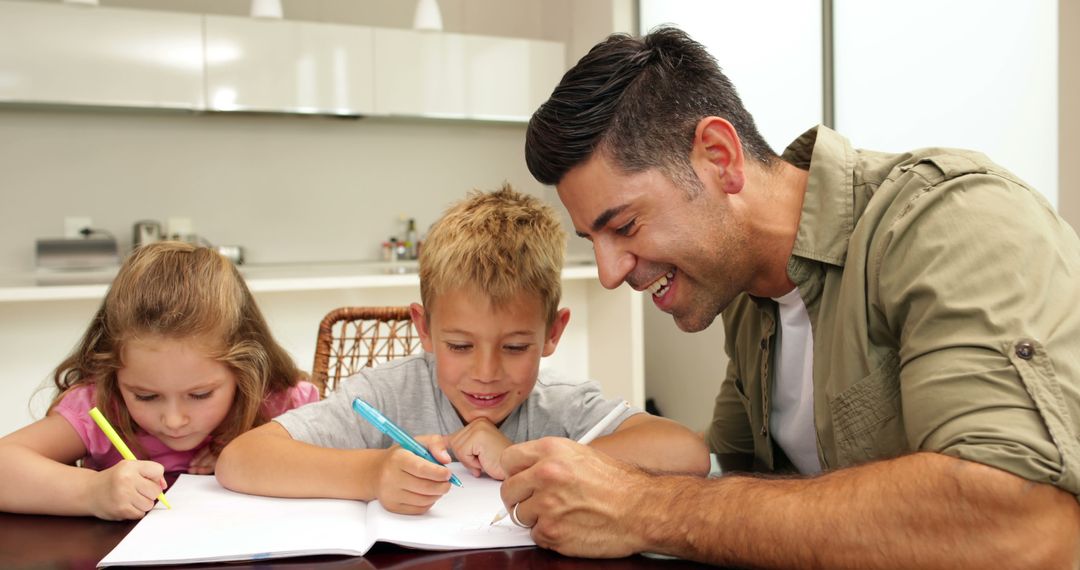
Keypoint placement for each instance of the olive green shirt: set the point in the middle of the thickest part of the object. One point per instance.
(944, 299)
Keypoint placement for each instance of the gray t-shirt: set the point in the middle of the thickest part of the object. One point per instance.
(406, 392)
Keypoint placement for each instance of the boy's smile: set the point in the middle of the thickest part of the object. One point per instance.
(486, 358)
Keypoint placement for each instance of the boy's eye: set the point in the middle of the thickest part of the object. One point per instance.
(516, 347)
(458, 347)
(145, 397)
(202, 395)
(624, 230)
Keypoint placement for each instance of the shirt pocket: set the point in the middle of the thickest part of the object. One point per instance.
(740, 390)
(866, 416)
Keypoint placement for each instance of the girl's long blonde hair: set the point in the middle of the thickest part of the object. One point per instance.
(180, 291)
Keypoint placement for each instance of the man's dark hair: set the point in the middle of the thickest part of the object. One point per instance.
(638, 99)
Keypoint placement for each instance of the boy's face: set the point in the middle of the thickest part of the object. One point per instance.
(487, 358)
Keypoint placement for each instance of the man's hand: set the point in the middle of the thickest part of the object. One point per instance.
(479, 447)
(409, 484)
(579, 501)
(126, 490)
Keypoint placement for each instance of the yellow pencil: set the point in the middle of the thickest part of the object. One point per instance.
(114, 437)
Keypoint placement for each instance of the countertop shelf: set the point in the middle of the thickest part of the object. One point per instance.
(55, 286)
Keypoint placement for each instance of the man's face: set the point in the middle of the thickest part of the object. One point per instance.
(691, 253)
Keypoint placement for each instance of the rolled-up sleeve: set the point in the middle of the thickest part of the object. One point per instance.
(985, 308)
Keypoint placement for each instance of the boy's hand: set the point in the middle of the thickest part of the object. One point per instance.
(478, 446)
(409, 484)
(126, 490)
(438, 445)
(203, 463)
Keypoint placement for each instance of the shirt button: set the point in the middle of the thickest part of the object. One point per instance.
(1025, 350)
(764, 344)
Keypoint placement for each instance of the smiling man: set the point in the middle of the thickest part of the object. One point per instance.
(903, 340)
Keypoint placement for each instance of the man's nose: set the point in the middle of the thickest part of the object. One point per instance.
(613, 263)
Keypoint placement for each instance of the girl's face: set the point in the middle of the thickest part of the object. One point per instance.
(174, 391)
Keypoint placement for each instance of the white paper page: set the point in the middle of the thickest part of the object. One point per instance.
(460, 520)
(209, 523)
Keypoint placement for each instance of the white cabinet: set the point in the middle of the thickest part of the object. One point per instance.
(85, 55)
(64, 54)
(419, 73)
(281, 65)
(463, 76)
(509, 78)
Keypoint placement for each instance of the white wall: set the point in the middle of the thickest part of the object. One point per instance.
(287, 188)
(979, 74)
(1069, 110)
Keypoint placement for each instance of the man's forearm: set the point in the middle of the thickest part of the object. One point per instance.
(919, 511)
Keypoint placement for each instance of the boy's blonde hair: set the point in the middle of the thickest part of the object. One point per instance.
(503, 243)
(180, 291)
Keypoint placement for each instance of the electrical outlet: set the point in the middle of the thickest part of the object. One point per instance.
(178, 228)
(73, 226)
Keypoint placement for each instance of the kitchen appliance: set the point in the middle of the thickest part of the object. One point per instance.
(64, 254)
(145, 231)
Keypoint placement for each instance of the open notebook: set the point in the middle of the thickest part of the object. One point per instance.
(209, 523)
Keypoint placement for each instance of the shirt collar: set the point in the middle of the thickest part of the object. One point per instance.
(827, 218)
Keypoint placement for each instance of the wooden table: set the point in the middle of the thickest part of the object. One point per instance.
(37, 541)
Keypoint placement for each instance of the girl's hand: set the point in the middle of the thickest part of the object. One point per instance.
(203, 463)
(126, 490)
(479, 446)
(409, 484)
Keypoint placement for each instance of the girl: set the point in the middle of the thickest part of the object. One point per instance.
(180, 361)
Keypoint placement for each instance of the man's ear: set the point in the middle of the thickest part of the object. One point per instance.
(420, 321)
(717, 154)
(562, 317)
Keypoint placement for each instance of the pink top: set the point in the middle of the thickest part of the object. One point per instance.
(100, 453)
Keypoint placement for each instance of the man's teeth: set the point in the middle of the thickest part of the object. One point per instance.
(660, 286)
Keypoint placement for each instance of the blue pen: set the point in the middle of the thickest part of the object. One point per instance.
(369, 413)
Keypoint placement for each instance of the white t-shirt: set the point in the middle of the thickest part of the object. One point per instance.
(791, 416)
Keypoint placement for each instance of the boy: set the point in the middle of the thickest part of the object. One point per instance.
(490, 286)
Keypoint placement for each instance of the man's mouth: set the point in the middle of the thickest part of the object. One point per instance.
(659, 287)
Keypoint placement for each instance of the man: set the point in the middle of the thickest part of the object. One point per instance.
(903, 334)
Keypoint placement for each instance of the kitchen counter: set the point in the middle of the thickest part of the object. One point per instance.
(42, 286)
(39, 323)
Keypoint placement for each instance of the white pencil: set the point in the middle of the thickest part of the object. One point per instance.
(584, 440)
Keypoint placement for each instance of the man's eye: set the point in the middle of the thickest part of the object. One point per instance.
(625, 229)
